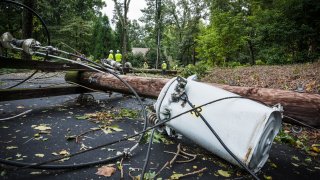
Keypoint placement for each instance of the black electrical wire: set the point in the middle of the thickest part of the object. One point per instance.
(39, 165)
(60, 167)
(26, 79)
(148, 155)
(220, 140)
(301, 123)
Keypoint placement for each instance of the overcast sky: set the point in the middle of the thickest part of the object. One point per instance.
(134, 9)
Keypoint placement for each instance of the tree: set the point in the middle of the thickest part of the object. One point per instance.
(184, 17)
(102, 38)
(136, 34)
(121, 12)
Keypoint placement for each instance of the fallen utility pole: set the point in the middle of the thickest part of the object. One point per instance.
(29, 93)
(45, 66)
(302, 106)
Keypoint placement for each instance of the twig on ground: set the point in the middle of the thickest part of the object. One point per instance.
(171, 161)
(164, 166)
(79, 136)
(121, 169)
(194, 172)
(194, 156)
(169, 152)
(176, 155)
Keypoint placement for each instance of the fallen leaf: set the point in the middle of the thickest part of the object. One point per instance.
(35, 172)
(20, 107)
(54, 153)
(39, 155)
(116, 128)
(107, 131)
(81, 117)
(149, 175)
(315, 149)
(224, 173)
(3, 173)
(11, 147)
(176, 176)
(42, 127)
(195, 167)
(295, 158)
(267, 177)
(18, 155)
(273, 165)
(296, 165)
(106, 171)
(308, 159)
(64, 153)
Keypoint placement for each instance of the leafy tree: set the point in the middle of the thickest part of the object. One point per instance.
(102, 38)
(121, 10)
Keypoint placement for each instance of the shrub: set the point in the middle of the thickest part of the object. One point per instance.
(234, 64)
(260, 62)
(200, 69)
(135, 59)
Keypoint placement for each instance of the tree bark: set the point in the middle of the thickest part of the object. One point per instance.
(302, 106)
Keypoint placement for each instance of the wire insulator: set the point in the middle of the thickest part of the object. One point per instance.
(152, 118)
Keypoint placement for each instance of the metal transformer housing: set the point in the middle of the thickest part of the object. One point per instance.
(248, 128)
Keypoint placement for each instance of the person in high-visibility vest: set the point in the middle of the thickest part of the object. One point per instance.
(164, 67)
(145, 65)
(118, 56)
(111, 57)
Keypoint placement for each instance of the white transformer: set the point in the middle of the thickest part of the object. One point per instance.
(247, 128)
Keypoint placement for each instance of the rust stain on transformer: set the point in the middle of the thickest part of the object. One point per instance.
(247, 155)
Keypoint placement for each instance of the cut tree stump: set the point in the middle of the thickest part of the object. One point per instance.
(302, 106)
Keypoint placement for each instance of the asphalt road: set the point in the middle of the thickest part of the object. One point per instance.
(19, 143)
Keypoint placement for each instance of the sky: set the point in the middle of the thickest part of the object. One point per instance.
(134, 9)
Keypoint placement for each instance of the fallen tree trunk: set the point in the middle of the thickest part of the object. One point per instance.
(302, 106)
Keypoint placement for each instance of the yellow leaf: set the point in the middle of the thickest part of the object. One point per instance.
(267, 177)
(42, 127)
(176, 176)
(39, 155)
(224, 173)
(64, 153)
(315, 149)
(11, 147)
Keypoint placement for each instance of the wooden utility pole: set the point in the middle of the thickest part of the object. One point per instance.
(302, 106)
